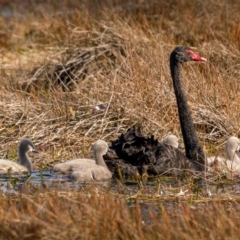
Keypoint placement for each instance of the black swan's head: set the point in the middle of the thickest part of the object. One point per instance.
(183, 54)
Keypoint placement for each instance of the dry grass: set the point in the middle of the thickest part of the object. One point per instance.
(97, 214)
(61, 59)
(57, 67)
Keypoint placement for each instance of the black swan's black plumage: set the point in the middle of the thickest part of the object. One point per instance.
(137, 153)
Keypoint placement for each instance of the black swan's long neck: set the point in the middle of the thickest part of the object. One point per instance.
(193, 148)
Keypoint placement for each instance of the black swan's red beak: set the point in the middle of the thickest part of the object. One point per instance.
(196, 57)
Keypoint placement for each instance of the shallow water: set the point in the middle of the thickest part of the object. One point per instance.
(46, 179)
(39, 180)
(160, 188)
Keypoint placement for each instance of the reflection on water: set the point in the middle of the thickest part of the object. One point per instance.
(39, 180)
(156, 186)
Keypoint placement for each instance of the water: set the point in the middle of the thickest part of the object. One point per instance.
(40, 180)
(161, 188)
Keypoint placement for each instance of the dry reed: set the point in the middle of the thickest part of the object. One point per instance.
(97, 214)
(55, 71)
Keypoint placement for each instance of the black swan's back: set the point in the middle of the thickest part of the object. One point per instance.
(136, 154)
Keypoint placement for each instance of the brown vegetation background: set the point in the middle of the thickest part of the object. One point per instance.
(113, 53)
(61, 59)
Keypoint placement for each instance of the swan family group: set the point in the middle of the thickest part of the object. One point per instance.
(160, 157)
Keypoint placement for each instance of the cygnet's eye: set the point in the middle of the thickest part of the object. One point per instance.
(32, 149)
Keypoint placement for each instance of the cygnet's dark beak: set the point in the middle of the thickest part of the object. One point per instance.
(35, 150)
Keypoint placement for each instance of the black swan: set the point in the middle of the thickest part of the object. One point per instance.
(138, 153)
(25, 164)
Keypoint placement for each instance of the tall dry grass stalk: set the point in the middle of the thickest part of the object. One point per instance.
(102, 215)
